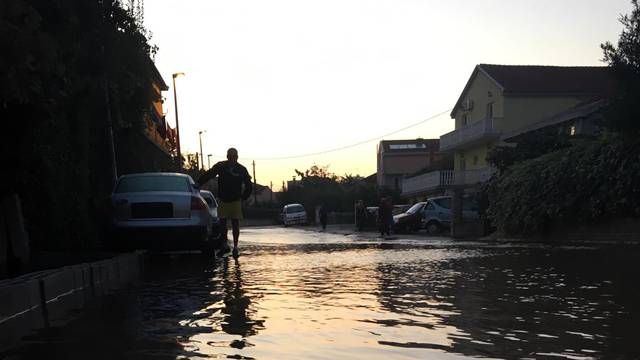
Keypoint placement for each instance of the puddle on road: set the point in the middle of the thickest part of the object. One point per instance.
(297, 295)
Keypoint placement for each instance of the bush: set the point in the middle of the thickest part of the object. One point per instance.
(590, 181)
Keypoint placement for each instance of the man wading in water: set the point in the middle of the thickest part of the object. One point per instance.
(231, 177)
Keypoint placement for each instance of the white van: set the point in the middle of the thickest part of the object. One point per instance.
(293, 214)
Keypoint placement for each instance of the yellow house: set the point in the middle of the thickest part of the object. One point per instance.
(500, 99)
(500, 103)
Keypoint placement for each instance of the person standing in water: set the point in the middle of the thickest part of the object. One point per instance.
(234, 186)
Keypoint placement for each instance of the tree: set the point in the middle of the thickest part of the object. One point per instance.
(318, 185)
(318, 172)
(624, 60)
(55, 57)
(530, 145)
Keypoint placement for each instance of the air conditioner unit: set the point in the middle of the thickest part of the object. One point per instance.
(467, 105)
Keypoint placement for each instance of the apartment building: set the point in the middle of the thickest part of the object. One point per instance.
(398, 158)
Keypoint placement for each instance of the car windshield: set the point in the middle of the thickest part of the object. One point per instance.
(415, 208)
(294, 209)
(152, 183)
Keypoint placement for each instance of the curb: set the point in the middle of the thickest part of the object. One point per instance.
(48, 298)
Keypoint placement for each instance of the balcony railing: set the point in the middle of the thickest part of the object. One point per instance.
(468, 134)
(444, 178)
(427, 182)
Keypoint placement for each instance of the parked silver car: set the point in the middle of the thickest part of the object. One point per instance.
(159, 211)
(437, 213)
(213, 211)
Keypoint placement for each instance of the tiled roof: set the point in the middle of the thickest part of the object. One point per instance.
(594, 81)
(536, 79)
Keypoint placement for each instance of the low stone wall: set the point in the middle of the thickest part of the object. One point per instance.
(626, 230)
(49, 298)
(467, 229)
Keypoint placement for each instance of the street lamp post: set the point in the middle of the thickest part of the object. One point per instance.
(201, 153)
(175, 103)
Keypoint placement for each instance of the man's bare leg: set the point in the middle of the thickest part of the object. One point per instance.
(224, 240)
(235, 224)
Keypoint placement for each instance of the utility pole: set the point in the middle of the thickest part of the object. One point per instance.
(255, 192)
(175, 104)
(201, 153)
(114, 166)
(197, 160)
(107, 100)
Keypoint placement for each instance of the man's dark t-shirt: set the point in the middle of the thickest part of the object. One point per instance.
(230, 180)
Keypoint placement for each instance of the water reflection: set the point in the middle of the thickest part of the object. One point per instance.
(297, 295)
(237, 305)
(510, 303)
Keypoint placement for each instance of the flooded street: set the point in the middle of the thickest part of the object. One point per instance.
(296, 294)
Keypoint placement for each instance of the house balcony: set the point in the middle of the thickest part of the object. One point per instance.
(442, 179)
(427, 182)
(469, 135)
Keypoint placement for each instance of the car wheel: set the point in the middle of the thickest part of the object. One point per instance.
(433, 227)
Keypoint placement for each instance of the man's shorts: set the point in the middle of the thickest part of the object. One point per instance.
(230, 210)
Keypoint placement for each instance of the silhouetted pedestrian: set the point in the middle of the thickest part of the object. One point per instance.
(361, 215)
(385, 216)
(323, 212)
(231, 178)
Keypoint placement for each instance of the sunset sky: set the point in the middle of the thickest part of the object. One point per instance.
(287, 78)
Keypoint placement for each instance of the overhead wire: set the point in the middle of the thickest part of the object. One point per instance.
(344, 147)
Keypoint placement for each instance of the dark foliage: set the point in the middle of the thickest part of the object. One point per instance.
(590, 181)
(625, 62)
(317, 185)
(529, 146)
(57, 57)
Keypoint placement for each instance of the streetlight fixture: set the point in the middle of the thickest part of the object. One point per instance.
(201, 154)
(175, 103)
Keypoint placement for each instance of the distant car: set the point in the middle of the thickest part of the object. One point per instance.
(159, 211)
(213, 211)
(293, 214)
(437, 213)
(411, 219)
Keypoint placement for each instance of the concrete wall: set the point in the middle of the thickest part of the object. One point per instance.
(50, 298)
(469, 155)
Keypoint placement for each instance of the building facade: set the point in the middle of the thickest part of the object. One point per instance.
(501, 99)
(157, 129)
(397, 159)
(499, 103)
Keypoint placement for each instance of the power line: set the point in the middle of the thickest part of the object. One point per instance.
(350, 145)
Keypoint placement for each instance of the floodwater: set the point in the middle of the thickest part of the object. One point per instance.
(296, 294)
